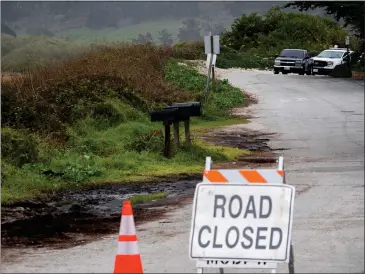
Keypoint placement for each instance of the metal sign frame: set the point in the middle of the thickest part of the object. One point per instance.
(247, 264)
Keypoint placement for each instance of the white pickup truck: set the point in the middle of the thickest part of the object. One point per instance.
(325, 62)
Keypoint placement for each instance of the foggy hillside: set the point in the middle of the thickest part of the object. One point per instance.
(122, 20)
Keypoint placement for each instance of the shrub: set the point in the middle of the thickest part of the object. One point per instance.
(243, 60)
(149, 142)
(276, 30)
(52, 97)
(18, 147)
(189, 50)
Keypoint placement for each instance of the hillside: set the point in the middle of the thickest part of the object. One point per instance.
(86, 121)
(123, 21)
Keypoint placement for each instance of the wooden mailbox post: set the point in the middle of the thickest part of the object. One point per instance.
(174, 114)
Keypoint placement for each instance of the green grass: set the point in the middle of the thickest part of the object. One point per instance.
(125, 34)
(105, 160)
(146, 198)
(101, 151)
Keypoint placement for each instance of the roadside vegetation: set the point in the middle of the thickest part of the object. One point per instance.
(78, 113)
(254, 40)
(86, 121)
(147, 198)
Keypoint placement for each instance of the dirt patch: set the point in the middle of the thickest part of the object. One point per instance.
(76, 218)
(252, 141)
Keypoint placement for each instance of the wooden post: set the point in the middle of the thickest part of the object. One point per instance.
(176, 134)
(187, 131)
(167, 139)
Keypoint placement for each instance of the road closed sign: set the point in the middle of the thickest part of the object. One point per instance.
(242, 222)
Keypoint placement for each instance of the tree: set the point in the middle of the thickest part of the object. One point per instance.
(190, 31)
(143, 39)
(352, 13)
(165, 37)
(149, 37)
(216, 29)
(276, 30)
(244, 32)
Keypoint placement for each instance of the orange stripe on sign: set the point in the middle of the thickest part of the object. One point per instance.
(127, 238)
(280, 172)
(214, 176)
(252, 176)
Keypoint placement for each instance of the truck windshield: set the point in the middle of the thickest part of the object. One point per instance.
(331, 54)
(292, 53)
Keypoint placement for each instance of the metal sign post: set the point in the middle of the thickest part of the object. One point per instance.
(242, 219)
(212, 48)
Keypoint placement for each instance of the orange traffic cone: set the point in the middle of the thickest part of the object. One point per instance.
(128, 259)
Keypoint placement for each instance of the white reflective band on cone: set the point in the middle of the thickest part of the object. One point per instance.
(128, 248)
(127, 226)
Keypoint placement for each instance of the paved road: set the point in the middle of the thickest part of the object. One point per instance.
(321, 120)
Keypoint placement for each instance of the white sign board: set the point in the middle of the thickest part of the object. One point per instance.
(242, 222)
(213, 61)
(208, 44)
(347, 41)
(234, 264)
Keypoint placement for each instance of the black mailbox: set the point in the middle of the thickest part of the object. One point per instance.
(165, 115)
(186, 110)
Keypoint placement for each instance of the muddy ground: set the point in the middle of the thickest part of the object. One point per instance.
(72, 218)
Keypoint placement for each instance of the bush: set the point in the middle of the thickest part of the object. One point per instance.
(265, 36)
(221, 101)
(54, 97)
(189, 50)
(148, 142)
(18, 148)
(97, 104)
(243, 60)
(278, 30)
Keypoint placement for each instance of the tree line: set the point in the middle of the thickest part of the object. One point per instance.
(191, 30)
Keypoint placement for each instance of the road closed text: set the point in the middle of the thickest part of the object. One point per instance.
(242, 222)
(247, 237)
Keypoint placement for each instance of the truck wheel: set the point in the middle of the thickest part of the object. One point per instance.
(301, 73)
(284, 72)
(276, 71)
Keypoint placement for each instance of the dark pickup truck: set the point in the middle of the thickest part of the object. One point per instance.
(293, 61)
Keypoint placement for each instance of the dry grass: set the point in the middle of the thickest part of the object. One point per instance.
(8, 77)
(52, 97)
